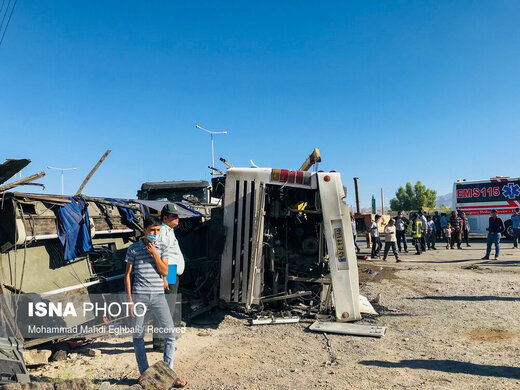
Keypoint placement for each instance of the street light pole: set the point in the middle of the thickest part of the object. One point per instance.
(62, 170)
(211, 133)
(212, 153)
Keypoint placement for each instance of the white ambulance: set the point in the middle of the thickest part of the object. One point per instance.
(478, 198)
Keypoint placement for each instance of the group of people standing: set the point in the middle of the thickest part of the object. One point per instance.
(426, 230)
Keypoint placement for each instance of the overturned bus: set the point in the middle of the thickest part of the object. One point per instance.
(289, 243)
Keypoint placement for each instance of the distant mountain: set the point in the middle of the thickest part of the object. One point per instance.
(446, 200)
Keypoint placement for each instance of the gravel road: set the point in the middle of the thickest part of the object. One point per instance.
(453, 322)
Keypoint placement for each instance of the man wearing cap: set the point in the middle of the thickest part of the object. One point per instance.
(170, 220)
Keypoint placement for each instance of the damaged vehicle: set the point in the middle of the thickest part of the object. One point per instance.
(289, 244)
(273, 243)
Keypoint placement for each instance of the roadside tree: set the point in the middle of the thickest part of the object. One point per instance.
(415, 197)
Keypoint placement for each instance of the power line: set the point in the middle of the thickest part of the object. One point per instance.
(5, 14)
(2, 7)
(8, 20)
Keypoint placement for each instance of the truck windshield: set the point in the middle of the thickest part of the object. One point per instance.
(177, 194)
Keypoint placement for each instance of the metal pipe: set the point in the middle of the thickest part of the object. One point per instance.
(83, 285)
(275, 320)
(97, 233)
(349, 329)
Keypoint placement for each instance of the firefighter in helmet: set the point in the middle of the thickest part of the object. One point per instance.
(417, 231)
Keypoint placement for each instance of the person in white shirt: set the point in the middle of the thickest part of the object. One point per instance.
(431, 230)
(170, 220)
(374, 235)
(391, 240)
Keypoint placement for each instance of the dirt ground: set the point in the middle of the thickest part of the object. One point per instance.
(453, 322)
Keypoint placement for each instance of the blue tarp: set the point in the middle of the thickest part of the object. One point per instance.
(184, 211)
(189, 209)
(127, 214)
(74, 228)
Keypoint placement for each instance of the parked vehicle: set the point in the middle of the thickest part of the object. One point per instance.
(477, 198)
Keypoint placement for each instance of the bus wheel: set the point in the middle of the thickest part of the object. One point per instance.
(509, 230)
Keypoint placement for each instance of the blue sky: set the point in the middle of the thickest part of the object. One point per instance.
(389, 91)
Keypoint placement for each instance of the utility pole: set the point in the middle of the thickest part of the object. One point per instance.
(382, 202)
(62, 170)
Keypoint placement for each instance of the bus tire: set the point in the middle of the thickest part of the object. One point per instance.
(508, 232)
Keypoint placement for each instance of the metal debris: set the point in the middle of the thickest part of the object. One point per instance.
(274, 320)
(332, 356)
(348, 329)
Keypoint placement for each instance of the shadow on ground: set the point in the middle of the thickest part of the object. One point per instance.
(383, 311)
(481, 298)
(450, 366)
(45, 379)
(498, 263)
(213, 319)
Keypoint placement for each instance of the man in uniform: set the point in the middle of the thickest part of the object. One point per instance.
(417, 233)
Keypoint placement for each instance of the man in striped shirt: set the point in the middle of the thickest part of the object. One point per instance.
(147, 259)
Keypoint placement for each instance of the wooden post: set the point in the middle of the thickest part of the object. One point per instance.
(92, 172)
(20, 182)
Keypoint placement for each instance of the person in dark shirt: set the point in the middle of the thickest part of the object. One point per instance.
(495, 229)
(437, 220)
(401, 224)
(515, 219)
(354, 232)
(374, 236)
(465, 227)
(456, 226)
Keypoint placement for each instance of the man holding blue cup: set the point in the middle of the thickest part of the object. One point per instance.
(169, 221)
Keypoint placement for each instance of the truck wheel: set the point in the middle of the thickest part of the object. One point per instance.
(509, 230)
